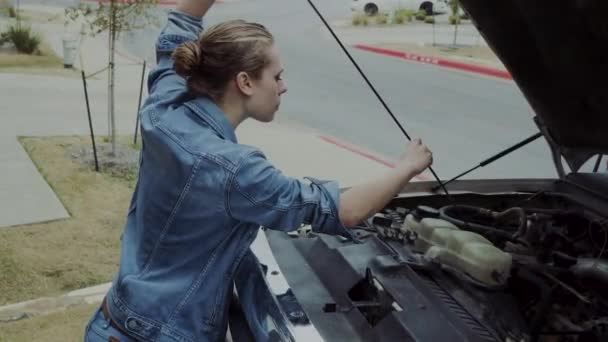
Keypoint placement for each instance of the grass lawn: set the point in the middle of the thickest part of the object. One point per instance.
(52, 258)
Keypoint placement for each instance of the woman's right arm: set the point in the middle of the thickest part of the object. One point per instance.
(259, 193)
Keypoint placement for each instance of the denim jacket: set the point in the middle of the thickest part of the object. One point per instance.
(198, 204)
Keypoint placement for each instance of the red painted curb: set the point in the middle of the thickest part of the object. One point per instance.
(161, 2)
(437, 61)
(364, 154)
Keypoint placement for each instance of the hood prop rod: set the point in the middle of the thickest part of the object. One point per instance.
(373, 89)
(495, 157)
(597, 163)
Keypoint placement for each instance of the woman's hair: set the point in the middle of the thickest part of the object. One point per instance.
(221, 52)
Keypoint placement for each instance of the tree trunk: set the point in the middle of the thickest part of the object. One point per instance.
(456, 31)
(111, 114)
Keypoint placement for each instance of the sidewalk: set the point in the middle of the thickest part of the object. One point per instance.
(425, 43)
(46, 105)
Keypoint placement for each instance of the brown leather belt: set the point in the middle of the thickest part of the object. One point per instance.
(106, 313)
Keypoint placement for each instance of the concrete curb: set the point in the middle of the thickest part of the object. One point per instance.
(48, 305)
(446, 63)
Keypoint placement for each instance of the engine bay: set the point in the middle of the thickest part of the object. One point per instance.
(479, 267)
(535, 272)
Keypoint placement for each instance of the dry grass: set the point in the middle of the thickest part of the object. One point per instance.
(61, 326)
(45, 62)
(4, 5)
(46, 59)
(52, 258)
(41, 16)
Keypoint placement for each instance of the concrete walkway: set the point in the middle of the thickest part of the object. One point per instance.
(35, 105)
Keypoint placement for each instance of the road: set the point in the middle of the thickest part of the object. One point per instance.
(463, 118)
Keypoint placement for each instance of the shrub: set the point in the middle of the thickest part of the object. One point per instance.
(24, 39)
(429, 20)
(402, 16)
(381, 19)
(421, 15)
(454, 19)
(12, 12)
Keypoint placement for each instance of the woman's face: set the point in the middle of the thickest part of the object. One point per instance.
(266, 91)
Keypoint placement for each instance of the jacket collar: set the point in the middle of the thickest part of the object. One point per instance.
(207, 110)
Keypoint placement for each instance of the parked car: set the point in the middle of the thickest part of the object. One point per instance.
(492, 259)
(373, 7)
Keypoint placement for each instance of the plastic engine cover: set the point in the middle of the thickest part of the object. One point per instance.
(466, 251)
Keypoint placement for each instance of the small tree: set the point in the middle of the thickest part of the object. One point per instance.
(116, 17)
(454, 18)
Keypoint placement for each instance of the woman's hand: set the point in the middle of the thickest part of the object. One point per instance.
(416, 157)
(195, 8)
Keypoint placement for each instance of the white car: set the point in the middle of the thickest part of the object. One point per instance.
(373, 7)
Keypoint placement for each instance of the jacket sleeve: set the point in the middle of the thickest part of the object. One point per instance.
(261, 194)
(180, 28)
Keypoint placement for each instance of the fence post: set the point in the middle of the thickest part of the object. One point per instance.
(86, 96)
(141, 88)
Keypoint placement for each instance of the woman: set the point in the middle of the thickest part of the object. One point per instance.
(201, 197)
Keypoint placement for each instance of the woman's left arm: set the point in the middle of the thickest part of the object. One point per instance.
(184, 24)
(195, 8)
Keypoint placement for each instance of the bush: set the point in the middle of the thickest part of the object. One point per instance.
(402, 16)
(454, 19)
(429, 20)
(12, 12)
(381, 19)
(4, 38)
(24, 39)
(359, 19)
(421, 15)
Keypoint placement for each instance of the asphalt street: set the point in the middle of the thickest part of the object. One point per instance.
(464, 118)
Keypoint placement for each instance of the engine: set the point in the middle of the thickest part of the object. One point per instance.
(546, 269)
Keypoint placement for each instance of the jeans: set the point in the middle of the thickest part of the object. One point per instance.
(99, 329)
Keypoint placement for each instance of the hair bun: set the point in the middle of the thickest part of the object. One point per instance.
(187, 58)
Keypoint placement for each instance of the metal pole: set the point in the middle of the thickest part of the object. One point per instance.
(597, 163)
(434, 43)
(86, 97)
(141, 89)
(495, 157)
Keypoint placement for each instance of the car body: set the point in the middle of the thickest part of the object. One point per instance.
(495, 259)
(373, 7)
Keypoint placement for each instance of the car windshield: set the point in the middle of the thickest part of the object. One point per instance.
(440, 80)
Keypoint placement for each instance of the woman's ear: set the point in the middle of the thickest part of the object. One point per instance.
(244, 83)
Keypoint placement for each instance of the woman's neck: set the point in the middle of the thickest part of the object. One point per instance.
(233, 110)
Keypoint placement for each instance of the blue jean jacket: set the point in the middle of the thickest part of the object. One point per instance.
(199, 202)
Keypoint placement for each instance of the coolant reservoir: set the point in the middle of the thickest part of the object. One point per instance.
(466, 251)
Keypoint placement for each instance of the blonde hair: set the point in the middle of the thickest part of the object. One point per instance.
(221, 52)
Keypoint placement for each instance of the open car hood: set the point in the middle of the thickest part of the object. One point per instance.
(555, 53)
